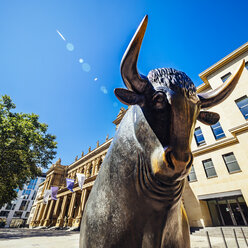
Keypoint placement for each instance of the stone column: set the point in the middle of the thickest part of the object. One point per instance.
(60, 220)
(41, 210)
(44, 213)
(71, 208)
(50, 181)
(33, 221)
(97, 165)
(88, 170)
(93, 168)
(56, 210)
(44, 186)
(81, 207)
(48, 219)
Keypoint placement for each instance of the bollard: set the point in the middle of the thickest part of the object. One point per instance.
(209, 243)
(223, 236)
(244, 236)
(235, 236)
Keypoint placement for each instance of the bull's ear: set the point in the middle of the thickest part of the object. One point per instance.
(129, 97)
(208, 118)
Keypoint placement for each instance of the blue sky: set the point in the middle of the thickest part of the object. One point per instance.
(70, 86)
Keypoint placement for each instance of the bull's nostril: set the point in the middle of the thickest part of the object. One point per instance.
(168, 158)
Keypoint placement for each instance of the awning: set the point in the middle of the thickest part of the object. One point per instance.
(220, 195)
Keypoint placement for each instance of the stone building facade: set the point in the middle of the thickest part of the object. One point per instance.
(216, 192)
(67, 210)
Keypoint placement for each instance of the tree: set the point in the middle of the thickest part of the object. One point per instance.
(25, 148)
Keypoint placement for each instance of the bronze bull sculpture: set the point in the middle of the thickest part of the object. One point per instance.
(136, 198)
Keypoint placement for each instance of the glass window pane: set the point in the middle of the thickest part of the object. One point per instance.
(199, 136)
(229, 157)
(233, 166)
(192, 175)
(225, 77)
(216, 219)
(18, 214)
(231, 162)
(4, 213)
(209, 168)
(246, 65)
(211, 172)
(217, 131)
(242, 103)
(23, 204)
(208, 164)
(241, 199)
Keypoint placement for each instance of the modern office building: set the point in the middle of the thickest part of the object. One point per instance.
(17, 212)
(217, 191)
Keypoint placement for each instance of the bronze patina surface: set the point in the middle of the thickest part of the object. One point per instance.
(136, 198)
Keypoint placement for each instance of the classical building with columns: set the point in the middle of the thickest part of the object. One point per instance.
(216, 192)
(67, 210)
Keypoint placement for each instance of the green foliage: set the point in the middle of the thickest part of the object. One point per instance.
(25, 148)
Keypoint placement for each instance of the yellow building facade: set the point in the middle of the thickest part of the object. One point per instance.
(217, 191)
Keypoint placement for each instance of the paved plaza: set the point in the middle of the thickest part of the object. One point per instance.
(31, 238)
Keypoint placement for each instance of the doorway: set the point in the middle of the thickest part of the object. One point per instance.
(229, 211)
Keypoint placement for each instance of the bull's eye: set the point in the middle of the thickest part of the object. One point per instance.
(159, 100)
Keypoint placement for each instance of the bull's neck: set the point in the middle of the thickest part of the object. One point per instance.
(160, 193)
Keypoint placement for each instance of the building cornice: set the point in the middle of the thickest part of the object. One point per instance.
(120, 116)
(233, 55)
(91, 154)
(239, 129)
(224, 142)
(218, 145)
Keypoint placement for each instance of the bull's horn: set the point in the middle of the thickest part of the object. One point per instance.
(214, 97)
(130, 75)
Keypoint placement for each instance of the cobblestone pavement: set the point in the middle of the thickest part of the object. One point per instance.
(27, 238)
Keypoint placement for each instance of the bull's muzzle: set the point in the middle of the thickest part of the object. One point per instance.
(178, 161)
(170, 164)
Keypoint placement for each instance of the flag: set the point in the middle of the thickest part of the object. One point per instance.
(81, 178)
(70, 184)
(47, 193)
(54, 192)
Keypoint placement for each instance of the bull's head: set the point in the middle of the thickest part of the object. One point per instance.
(170, 105)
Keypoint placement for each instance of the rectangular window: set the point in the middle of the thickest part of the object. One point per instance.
(34, 195)
(18, 214)
(26, 207)
(209, 168)
(199, 136)
(32, 183)
(26, 193)
(9, 206)
(242, 103)
(23, 204)
(246, 65)
(225, 77)
(231, 162)
(217, 131)
(192, 175)
(4, 213)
